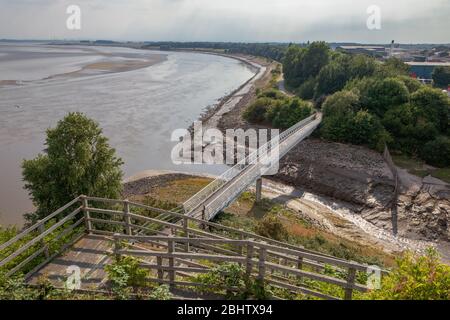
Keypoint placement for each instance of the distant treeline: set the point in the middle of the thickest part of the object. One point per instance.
(275, 51)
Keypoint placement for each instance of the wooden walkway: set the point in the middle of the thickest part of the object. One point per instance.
(91, 254)
(173, 252)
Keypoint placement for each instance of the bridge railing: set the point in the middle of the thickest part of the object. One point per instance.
(177, 261)
(195, 201)
(258, 167)
(38, 244)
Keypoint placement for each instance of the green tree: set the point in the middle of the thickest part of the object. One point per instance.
(290, 112)
(437, 152)
(410, 130)
(361, 66)
(433, 105)
(345, 121)
(331, 78)
(300, 64)
(441, 76)
(412, 84)
(384, 94)
(393, 67)
(307, 89)
(78, 160)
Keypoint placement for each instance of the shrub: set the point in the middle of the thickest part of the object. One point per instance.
(412, 84)
(331, 78)
(437, 152)
(162, 292)
(432, 105)
(291, 112)
(307, 89)
(223, 276)
(271, 227)
(345, 122)
(384, 94)
(416, 278)
(256, 112)
(124, 274)
(272, 94)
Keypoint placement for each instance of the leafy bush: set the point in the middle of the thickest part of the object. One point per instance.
(331, 78)
(437, 152)
(290, 112)
(271, 227)
(223, 276)
(307, 89)
(384, 94)
(256, 112)
(272, 94)
(344, 121)
(416, 278)
(124, 274)
(162, 292)
(432, 105)
(412, 84)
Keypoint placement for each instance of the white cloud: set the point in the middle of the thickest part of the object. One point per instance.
(228, 20)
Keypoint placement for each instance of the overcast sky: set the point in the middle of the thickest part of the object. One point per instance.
(406, 21)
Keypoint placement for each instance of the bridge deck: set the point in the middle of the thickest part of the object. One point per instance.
(91, 254)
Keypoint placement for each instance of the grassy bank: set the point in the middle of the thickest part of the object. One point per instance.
(419, 168)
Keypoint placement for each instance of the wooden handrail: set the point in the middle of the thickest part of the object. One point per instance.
(262, 262)
(38, 224)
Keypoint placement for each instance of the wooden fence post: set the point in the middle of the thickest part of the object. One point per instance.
(186, 232)
(203, 226)
(249, 262)
(262, 263)
(170, 251)
(117, 246)
(299, 266)
(44, 245)
(126, 216)
(87, 215)
(350, 282)
(160, 270)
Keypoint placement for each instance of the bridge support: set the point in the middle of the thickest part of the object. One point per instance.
(258, 189)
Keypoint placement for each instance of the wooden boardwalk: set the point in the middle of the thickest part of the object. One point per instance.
(174, 253)
(91, 254)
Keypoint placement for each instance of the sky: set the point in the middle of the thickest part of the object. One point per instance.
(405, 21)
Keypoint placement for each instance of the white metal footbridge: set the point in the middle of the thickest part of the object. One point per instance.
(217, 195)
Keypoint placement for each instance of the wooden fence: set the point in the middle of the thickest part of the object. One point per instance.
(176, 245)
(388, 158)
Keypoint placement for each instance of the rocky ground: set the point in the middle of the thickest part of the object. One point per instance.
(361, 177)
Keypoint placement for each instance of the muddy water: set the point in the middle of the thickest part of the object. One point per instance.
(138, 109)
